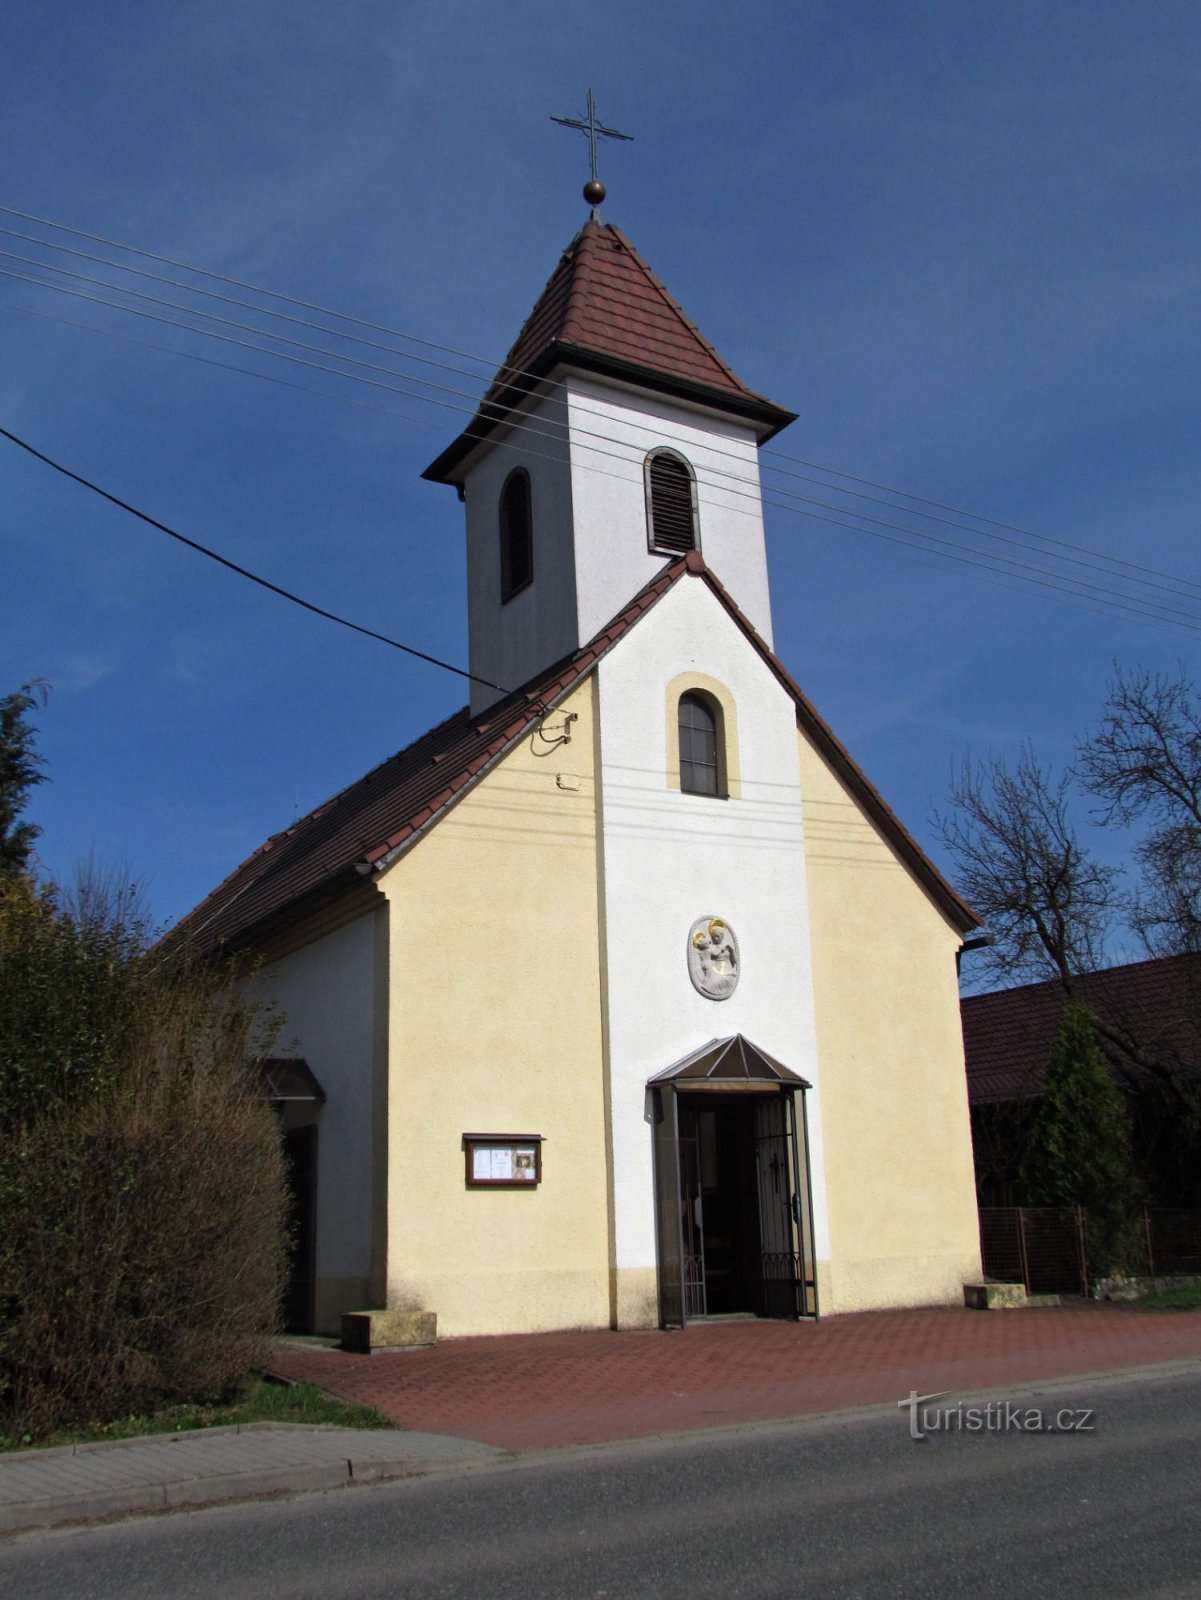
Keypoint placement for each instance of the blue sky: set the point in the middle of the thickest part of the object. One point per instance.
(960, 240)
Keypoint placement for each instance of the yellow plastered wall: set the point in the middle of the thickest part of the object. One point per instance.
(898, 1152)
(496, 1028)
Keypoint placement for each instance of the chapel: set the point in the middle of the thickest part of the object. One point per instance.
(621, 998)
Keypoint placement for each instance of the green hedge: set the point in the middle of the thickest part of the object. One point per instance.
(142, 1196)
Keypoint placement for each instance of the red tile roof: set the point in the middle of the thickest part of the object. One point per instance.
(1008, 1035)
(335, 847)
(363, 828)
(604, 310)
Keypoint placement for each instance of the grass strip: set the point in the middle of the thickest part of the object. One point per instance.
(1184, 1297)
(260, 1401)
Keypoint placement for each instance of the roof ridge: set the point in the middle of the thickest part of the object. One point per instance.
(400, 811)
(953, 904)
(1094, 975)
(510, 370)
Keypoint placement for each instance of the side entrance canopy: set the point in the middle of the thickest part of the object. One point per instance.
(286, 1079)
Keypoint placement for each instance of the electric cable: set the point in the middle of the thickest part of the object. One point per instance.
(490, 363)
(1011, 566)
(1112, 599)
(245, 572)
(981, 573)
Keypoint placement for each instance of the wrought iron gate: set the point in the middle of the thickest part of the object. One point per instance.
(788, 1286)
(785, 1283)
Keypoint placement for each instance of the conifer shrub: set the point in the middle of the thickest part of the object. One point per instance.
(142, 1194)
(1080, 1151)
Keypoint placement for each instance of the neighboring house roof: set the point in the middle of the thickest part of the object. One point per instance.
(366, 826)
(605, 311)
(1008, 1035)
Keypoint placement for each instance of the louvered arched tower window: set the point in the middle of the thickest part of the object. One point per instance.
(670, 504)
(516, 534)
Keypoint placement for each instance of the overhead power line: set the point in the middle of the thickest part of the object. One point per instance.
(919, 539)
(546, 427)
(981, 573)
(245, 572)
(490, 364)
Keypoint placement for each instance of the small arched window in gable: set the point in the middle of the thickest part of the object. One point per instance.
(516, 534)
(700, 746)
(670, 503)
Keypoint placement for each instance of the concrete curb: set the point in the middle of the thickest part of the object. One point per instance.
(362, 1457)
(195, 1477)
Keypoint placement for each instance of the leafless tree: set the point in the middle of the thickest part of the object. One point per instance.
(1050, 905)
(1143, 763)
(1047, 902)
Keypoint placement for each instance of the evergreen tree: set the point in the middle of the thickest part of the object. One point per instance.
(1080, 1150)
(20, 769)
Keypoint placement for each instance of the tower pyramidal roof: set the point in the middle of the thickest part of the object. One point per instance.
(604, 311)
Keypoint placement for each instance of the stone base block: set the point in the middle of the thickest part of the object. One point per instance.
(364, 1331)
(994, 1296)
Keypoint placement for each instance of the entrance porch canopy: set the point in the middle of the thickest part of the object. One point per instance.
(733, 1063)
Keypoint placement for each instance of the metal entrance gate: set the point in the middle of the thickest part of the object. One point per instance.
(773, 1208)
(789, 1289)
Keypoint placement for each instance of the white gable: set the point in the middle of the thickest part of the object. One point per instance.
(612, 557)
(671, 857)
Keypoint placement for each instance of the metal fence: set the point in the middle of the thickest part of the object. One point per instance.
(1053, 1249)
(1172, 1242)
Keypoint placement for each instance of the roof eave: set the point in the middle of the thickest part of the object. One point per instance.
(389, 851)
(769, 418)
(958, 913)
(339, 884)
(765, 416)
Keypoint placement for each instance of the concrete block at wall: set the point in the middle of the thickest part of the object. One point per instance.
(364, 1331)
(994, 1296)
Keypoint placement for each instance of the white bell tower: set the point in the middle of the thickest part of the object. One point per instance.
(613, 439)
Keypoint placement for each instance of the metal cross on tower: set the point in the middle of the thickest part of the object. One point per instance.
(594, 189)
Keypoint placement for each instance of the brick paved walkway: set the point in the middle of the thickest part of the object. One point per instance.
(537, 1391)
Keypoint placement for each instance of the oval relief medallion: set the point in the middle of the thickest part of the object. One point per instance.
(713, 958)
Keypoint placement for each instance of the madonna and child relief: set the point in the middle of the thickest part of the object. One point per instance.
(713, 958)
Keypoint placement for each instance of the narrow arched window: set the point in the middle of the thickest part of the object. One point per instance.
(670, 503)
(516, 534)
(700, 747)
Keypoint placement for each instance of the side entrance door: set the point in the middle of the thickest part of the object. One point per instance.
(300, 1157)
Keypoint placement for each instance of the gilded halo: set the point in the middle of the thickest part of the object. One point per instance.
(713, 961)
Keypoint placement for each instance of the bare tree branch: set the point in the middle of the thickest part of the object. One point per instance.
(1144, 764)
(1047, 903)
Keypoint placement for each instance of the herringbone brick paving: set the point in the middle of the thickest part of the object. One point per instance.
(538, 1391)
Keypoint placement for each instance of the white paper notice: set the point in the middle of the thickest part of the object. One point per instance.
(502, 1163)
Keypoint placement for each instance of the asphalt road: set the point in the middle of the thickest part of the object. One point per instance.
(846, 1506)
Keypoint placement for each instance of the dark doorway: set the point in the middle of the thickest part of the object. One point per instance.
(300, 1157)
(718, 1159)
(739, 1189)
